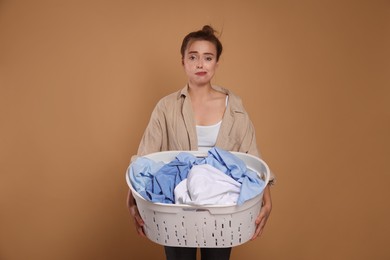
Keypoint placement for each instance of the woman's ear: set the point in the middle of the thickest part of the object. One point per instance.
(182, 61)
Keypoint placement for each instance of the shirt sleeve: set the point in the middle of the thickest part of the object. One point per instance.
(152, 138)
(249, 145)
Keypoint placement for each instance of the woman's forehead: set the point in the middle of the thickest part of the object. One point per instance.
(201, 46)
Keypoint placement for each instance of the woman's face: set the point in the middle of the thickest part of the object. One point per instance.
(200, 62)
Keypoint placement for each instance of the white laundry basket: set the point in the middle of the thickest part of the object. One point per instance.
(201, 226)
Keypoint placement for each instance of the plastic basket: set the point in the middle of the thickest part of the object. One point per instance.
(201, 226)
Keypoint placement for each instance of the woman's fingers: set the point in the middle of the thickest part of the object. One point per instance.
(262, 218)
(260, 224)
(139, 223)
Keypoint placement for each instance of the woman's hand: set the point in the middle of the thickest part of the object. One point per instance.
(139, 223)
(265, 211)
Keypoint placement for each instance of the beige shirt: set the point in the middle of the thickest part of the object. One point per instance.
(172, 126)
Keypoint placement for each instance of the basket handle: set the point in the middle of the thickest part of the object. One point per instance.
(195, 209)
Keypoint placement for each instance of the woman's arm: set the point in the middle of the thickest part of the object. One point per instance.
(265, 211)
(139, 223)
(151, 142)
(152, 138)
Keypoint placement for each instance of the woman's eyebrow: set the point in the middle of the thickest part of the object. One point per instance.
(196, 52)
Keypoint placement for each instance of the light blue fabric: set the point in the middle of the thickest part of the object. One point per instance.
(141, 172)
(251, 184)
(161, 188)
(157, 183)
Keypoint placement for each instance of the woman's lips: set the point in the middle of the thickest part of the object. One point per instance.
(202, 73)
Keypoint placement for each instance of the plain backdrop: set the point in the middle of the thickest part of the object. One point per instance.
(79, 79)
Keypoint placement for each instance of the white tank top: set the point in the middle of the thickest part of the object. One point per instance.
(207, 135)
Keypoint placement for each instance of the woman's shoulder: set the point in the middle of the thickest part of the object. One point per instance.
(169, 100)
(228, 92)
(170, 96)
(234, 100)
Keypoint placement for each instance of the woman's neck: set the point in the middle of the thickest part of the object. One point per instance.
(200, 91)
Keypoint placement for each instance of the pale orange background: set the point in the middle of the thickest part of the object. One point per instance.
(79, 80)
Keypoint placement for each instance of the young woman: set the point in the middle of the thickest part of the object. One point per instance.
(198, 117)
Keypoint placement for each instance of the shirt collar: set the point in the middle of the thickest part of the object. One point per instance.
(184, 92)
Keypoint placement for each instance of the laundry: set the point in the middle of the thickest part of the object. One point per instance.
(141, 173)
(156, 182)
(206, 185)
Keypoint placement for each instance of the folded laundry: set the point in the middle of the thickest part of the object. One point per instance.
(156, 182)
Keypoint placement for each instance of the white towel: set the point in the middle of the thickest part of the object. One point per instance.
(206, 185)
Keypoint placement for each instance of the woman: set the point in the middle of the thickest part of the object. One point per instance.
(198, 117)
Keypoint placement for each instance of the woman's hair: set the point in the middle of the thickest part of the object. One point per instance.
(206, 34)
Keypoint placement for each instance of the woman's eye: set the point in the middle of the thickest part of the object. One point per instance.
(209, 58)
(192, 57)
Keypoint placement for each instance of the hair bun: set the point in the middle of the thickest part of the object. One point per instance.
(208, 29)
